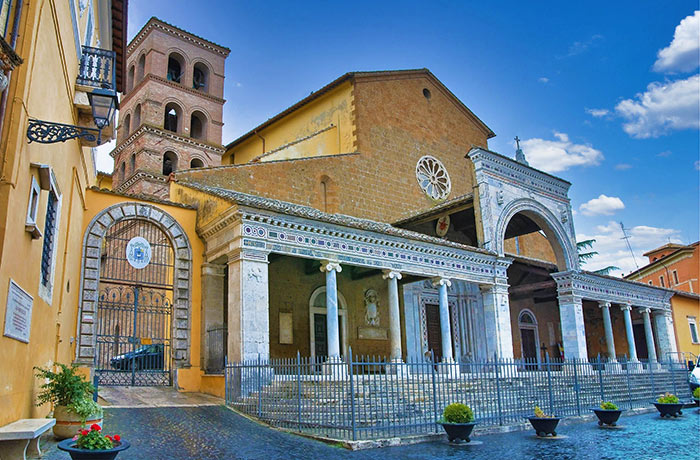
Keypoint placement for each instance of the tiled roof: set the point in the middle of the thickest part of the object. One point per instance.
(307, 212)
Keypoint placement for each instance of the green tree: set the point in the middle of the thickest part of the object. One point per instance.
(586, 253)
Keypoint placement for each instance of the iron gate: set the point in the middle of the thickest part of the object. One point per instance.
(133, 321)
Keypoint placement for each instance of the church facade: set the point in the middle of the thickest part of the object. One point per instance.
(369, 216)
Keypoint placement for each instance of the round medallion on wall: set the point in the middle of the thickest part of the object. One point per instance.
(442, 226)
(433, 178)
(138, 252)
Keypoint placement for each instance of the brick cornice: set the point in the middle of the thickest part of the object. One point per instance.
(144, 129)
(155, 23)
(151, 77)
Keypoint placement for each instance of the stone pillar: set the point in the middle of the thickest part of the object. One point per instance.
(248, 305)
(626, 309)
(393, 278)
(666, 334)
(651, 348)
(332, 325)
(573, 329)
(499, 336)
(607, 325)
(213, 285)
(445, 331)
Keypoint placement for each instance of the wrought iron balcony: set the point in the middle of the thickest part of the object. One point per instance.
(97, 68)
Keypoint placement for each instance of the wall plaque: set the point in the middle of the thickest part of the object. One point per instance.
(286, 328)
(372, 333)
(18, 314)
(138, 252)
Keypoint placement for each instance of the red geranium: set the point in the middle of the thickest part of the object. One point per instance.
(117, 438)
(95, 426)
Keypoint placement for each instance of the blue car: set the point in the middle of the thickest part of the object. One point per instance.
(148, 357)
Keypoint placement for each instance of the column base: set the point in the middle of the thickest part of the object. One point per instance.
(613, 365)
(335, 368)
(449, 367)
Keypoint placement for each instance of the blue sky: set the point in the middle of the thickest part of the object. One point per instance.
(582, 83)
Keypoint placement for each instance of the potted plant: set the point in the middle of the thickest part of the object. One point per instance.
(93, 445)
(696, 396)
(668, 405)
(70, 394)
(544, 424)
(458, 422)
(608, 413)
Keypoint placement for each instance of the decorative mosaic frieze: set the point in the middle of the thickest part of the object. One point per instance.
(585, 285)
(316, 240)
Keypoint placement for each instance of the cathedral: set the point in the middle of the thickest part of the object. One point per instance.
(370, 215)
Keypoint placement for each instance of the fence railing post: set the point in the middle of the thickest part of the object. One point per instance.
(226, 380)
(600, 379)
(673, 376)
(651, 378)
(259, 387)
(95, 384)
(498, 391)
(299, 389)
(577, 389)
(549, 384)
(352, 396)
(629, 384)
(435, 406)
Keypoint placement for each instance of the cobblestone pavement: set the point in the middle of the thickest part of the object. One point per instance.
(154, 397)
(214, 432)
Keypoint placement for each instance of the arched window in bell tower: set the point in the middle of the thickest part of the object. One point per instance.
(126, 125)
(196, 163)
(176, 67)
(172, 117)
(200, 77)
(137, 116)
(140, 69)
(198, 124)
(169, 163)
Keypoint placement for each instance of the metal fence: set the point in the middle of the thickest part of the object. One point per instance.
(97, 68)
(370, 398)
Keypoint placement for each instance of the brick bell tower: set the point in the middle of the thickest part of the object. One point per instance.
(171, 113)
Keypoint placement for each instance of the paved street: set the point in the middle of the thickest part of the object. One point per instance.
(214, 432)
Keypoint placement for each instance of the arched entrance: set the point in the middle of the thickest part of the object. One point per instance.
(318, 334)
(109, 284)
(134, 310)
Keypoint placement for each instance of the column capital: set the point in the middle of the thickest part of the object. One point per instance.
(626, 307)
(603, 304)
(440, 281)
(645, 311)
(570, 299)
(391, 274)
(328, 266)
(666, 313)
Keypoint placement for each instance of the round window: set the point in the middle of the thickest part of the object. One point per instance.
(433, 178)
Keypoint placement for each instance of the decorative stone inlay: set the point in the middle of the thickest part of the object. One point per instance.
(90, 276)
(432, 178)
(603, 288)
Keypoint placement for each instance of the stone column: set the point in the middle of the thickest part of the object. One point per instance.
(573, 329)
(393, 278)
(445, 331)
(651, 348)
(499, 336)
(626, 309)
(248, 305)
(666, 334)
(607, 325)
(332, 325)
(213, 285)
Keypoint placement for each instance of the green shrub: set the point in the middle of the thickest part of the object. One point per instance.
(85, 408)
(63, 388)
(607, 405)
(696, 393)
(667, 398)
(457, 413)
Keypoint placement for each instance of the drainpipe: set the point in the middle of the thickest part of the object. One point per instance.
(263, 140)
(8, 74)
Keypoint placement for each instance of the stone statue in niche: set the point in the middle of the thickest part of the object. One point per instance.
(371, 307)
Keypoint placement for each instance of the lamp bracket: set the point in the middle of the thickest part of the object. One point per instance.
(47, 132)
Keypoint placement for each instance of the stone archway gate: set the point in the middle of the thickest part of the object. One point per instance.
(134, 322)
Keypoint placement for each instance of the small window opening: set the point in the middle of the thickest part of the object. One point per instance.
(196, 163)
(174, 69)
(169, 163)
(426, 93)
(200, 77)
(133, 162)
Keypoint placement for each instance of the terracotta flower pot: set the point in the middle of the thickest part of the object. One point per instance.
(68, 423)
(68, 445)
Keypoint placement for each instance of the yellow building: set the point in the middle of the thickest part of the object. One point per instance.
(686, 315)
(63, 47)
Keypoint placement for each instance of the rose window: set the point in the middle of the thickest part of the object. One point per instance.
(433, 178)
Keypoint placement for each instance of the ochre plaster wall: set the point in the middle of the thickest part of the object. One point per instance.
(683, 307)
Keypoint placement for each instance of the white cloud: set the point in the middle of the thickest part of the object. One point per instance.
(623, 166)
(559, 155)
(662, 107)
(682, 54)
(602, 206)
(598, 113)
(612, 249)
(697, 165)
(664, 154)
(543, 80)
(580, 47)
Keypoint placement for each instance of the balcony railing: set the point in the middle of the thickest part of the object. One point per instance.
(97, 68)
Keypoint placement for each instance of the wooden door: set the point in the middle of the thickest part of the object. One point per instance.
(320, 335)
(432, 319)
(529, 345)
